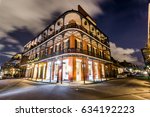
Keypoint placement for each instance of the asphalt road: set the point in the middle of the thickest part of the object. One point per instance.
(120, 89)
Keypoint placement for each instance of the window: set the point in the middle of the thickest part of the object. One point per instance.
(37, 55)
(100, 54)
(88, 47)
(58, 23)
(41, 53)
(66, 44)
(51, 50)
(92, 29)
(51, 29)
(78, 44)
(95, 51)
(85, 23)
(58, 47)
(46, 51)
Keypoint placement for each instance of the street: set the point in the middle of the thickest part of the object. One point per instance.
(119, 89)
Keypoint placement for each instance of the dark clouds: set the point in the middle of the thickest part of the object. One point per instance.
(124, 21)
(21, 20)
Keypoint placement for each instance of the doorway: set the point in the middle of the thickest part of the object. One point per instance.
(90, 70)
(65, 70)
(78, 70)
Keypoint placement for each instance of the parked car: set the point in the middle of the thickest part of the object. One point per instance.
(122, 75)
(141, 74)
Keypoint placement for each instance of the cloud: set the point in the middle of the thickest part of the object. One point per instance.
(122, 54)
(1, 46)
(8, 54)
(20, 48)
(31, 13)
(12, 41)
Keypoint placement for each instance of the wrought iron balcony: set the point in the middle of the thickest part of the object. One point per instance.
(67, 27)
(75, 50)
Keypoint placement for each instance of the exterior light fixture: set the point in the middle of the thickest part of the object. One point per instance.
(58, 62)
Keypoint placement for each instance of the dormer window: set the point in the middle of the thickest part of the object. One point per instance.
(58, 23)
(51, 29)
(85, 23)
(92, 29)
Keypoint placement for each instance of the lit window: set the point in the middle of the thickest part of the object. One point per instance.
(66, 44)
(58, 47)
(88, 47)
(77, 44)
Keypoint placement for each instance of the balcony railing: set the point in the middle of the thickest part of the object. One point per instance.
(67, 50)
(77, 50)
(71, 26)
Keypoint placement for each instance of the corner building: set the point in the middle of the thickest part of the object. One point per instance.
(70, 49)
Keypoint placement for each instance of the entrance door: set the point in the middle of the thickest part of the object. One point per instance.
(90, 70)
(78, 70)
(49, 71)
(35, 71)
(56, 72)
(96, 71)
(65, 69)
(103, 71)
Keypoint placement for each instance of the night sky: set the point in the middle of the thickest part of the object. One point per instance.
(123, 21)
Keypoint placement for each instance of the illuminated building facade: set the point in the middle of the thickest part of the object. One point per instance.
(146, 50)
(70, 49)
(11, 69)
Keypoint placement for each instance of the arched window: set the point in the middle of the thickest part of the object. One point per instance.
(40, 38)
(59, 24)
(72, 17)
(66, 44)
(78, 44)
(86, 38)
(56, 42)
(92, 29)
(67, 34)
(89, 48)
(58, 47)
(85, 24)
(51, 30)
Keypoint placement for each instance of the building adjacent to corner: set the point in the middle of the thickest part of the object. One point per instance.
(72, 48)
(11, 68)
